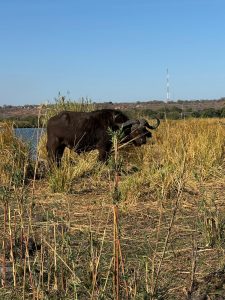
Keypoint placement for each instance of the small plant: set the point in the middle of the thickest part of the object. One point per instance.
(119, 269)
(211, 223)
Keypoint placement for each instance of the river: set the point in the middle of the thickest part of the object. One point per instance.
(30, 136)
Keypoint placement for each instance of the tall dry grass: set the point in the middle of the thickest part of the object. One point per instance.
(15, 157)
(200, 143)
(68, 262)
(64, 103)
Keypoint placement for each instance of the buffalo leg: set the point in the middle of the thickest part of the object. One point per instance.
(51, 149)
(59, 154)
(104, 153)
(55, 152)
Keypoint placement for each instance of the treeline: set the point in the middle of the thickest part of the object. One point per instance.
(23, 122)
(176, 113)
(173, 113)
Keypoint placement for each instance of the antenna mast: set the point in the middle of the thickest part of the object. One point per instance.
(167, 86)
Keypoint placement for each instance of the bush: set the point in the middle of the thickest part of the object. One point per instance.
(210, 113)
(14, 166)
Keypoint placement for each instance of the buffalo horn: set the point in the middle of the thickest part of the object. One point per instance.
(130, 123)
(143, 122)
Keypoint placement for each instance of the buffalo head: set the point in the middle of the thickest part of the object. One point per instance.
(137, 131)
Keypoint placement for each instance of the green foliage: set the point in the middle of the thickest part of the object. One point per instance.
(22, 122)
(176, 113)
(210, 113)
(196, 114)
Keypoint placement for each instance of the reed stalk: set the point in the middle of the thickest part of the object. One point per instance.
(11, 248)
(4, 244)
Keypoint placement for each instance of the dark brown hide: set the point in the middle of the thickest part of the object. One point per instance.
(86, 131)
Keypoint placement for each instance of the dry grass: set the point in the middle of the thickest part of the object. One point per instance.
(170, 198)
(14, 157)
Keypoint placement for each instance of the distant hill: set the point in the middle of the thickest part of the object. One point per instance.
(8, 111)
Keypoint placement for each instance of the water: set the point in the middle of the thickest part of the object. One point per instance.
(30, 136)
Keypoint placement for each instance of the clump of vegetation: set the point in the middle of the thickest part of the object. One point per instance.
(29, 121)
(73, 168)
(15, 157)
(64, 103)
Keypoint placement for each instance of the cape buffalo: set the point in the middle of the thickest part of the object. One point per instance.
(86, 131)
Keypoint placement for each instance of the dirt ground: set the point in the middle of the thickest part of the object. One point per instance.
(143, 230)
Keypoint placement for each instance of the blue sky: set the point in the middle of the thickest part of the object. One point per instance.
(111, 50)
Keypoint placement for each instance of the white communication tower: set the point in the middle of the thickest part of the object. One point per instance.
(167, 86)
